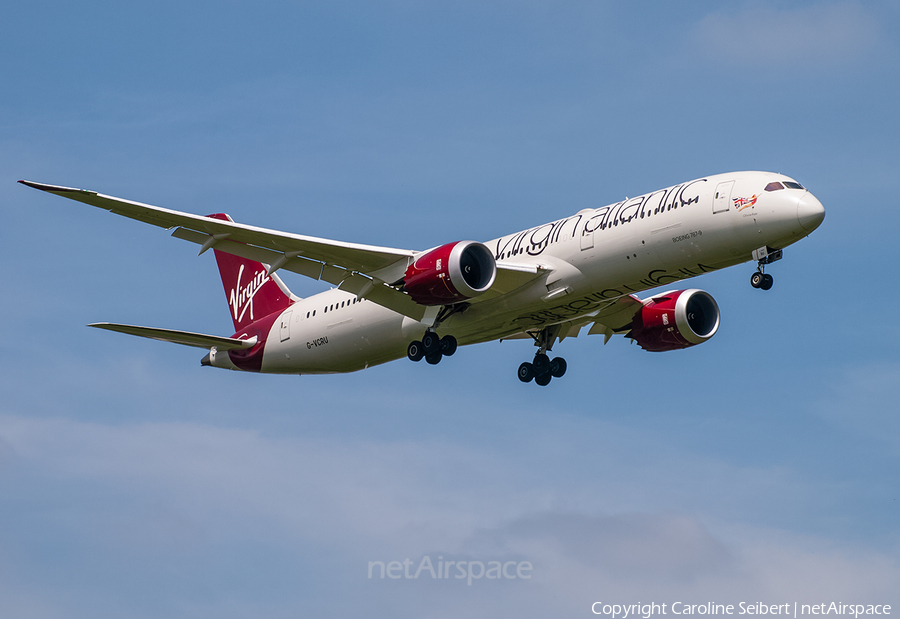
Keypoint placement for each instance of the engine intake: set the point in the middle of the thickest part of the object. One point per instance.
(451, 273)
(674, 320)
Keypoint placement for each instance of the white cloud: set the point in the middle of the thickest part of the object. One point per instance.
(143, 499)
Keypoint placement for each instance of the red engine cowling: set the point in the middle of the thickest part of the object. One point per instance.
(675, 319)
(451, 273)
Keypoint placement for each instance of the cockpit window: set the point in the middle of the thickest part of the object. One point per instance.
(774, 186)
(792, 185)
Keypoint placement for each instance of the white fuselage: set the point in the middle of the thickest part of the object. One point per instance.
(591, 258)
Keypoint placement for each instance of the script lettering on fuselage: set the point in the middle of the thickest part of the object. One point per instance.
(535, 240)
(655, 203)
(241, 297)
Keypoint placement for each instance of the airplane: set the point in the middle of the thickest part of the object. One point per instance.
(544, 284)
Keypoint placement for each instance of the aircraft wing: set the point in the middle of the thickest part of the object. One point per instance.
(614, 316)
(361, 269)
(330, 256)
(186, 338)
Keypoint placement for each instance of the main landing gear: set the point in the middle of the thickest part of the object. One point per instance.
(764, 256)
(432, 348)
(543, 368)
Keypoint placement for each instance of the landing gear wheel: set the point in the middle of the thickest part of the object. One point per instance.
(767, 282)
(757, 279)
(434, 358)
(558, 367)
(541, 369)
(526, 372)
(448, 345)
(431, 342)
(415, 351)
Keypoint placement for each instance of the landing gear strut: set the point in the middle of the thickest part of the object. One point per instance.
(764, 256)
(542, 369)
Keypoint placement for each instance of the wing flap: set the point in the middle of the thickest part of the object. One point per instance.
(295, 264)
(378, 292)
(619, 313)
(185, 338)
(613, 317)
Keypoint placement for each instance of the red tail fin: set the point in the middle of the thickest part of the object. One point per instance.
(251, 293)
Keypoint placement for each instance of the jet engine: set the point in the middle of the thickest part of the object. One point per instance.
(451, 273)
(675, 319)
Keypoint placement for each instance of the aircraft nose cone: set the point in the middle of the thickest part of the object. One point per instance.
(810, 212)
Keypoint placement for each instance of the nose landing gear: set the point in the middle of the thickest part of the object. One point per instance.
(764, 256)
(761, 280)
(542, 368)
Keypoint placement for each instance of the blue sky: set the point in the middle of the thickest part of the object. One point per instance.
(761, 466)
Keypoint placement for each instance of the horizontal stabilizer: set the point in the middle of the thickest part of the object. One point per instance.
(186, 338)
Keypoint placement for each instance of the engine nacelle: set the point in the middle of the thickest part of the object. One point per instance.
(675, 319)
(451, 273)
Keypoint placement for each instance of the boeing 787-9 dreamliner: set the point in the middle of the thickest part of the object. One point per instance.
(545, 284)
